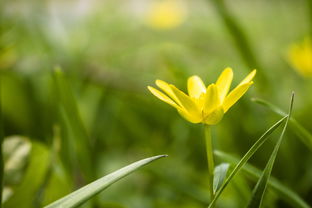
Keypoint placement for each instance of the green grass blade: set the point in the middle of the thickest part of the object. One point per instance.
(85, 193)
(259, 190)
(299, 130)
(69, 104)
(245, 158)
(80, 145)
(283, 191)
(241, 40)
(219, 175)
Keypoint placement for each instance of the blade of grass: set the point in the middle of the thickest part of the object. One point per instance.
(219, 175)
(246, 157)
(240, 37)
(299, 130)
(260, 188)
(83, 194)
(284, 192)
(80, 145)
(237, 32)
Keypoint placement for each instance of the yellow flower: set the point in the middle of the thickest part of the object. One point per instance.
(166, 14)
(300, 57)
(204, 105)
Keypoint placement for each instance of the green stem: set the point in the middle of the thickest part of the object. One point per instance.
(210, 160)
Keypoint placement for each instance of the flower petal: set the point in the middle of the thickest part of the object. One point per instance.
(187, 103)
(235, 95)
(248, 78)
(163, 97)
(195, 86)
(189, 117)
(212, 99)
(214, 117)
(167, 89)
(224, 82)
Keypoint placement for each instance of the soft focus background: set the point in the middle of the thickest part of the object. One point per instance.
(109, 52)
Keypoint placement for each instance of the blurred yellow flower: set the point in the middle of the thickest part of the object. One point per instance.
(166, 14)
(204, 105)
(300, 57)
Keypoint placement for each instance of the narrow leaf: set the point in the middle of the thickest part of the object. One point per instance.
(83, 194)
(259, 190)
(245, 158)
(26, 192)
(299, 130)
(219, 175)
(283, 191)
(69, 110)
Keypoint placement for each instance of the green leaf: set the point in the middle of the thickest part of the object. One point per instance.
(78, 145)
(58, 183)
(83, 194)
(219, 175)
(299, 130)
(259, 190)
(26, 193)
(283, 191)
(245, 158)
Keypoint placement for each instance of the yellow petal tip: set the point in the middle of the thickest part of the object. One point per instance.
(228, 69)
(253, 72)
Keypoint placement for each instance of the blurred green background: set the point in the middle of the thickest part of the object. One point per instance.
(109, 53)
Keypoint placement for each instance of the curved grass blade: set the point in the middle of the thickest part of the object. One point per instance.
(219, 175)
(284, 192)
(299, 130)
(83, 194)
(245, 158)
(259, 190)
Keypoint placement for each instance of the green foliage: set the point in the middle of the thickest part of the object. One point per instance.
(259, 190)
(25, 194)
(78, 138)
(245, 158)
(219, 175)
(284, 192)
(83, 194)
(95, 114)
(298, 129)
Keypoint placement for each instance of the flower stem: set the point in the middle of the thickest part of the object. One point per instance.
(210, 159)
